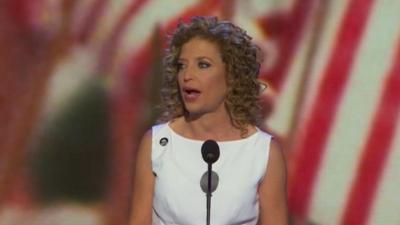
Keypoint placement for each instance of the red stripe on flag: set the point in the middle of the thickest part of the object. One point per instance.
(313, 135)
(292, 28)
(376, 150)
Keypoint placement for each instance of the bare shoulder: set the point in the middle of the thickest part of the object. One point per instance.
(276, 154)
(272, 190)
(276, 166)
(146, 140)
(143, 181)
(143, 152)
(143, 155)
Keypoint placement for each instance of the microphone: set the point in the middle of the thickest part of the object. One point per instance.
(210, 153)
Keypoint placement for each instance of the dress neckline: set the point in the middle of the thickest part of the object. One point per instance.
(253, 135)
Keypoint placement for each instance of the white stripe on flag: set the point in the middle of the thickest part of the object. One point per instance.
(284, 108)
(387, 206)
(354, 116)
(335, 13)
(142, 26)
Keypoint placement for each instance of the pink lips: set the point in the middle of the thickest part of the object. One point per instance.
(190, 94)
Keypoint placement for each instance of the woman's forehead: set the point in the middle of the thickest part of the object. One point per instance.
(200, 48)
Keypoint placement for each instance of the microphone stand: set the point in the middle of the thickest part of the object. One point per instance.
(210, 154)
(209, 193)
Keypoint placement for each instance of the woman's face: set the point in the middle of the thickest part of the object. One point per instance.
(202, 77)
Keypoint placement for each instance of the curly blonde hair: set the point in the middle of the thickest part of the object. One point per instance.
(241, 57)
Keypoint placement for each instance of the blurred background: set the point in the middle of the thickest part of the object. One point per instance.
(80, 79)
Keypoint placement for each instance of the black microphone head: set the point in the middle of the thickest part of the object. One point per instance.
(210, 151)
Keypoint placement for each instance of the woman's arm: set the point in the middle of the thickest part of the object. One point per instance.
(272, 190)
(143, 185)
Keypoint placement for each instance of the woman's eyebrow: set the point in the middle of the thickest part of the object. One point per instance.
(197, 59)
(204, 57)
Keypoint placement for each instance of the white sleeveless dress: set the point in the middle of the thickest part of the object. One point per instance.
(178, 167)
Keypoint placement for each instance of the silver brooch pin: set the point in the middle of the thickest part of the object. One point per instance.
(163, 141)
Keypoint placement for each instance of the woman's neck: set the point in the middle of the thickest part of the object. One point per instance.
(219, 128)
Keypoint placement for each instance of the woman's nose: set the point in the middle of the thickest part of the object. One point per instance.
(188, 74)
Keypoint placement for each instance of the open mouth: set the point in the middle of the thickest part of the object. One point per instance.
(190, 93)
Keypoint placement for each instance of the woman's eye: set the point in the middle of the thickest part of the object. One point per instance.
(203, 65)
(180, 66)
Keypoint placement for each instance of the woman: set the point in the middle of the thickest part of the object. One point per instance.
(210, 92)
